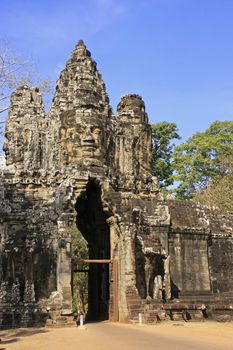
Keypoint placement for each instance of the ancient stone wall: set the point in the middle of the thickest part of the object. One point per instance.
(220, 254)
(79, 164)
(190, 268)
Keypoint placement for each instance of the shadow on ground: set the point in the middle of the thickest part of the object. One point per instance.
(14, 335)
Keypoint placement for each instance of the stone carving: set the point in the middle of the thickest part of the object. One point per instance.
(22, 134)
(84, 115)
(157, 272)
(151, 273)
(81, 164)
(115, 231)
(133, 143)
(4, 296)
(167, 277)
(158, 288)
(29, 292)
(15, 293)
(83, 141)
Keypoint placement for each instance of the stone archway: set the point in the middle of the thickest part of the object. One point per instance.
(91, 222)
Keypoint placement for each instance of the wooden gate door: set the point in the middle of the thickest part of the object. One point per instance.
(113, 280)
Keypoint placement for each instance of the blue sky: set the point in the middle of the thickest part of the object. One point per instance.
(177, 54)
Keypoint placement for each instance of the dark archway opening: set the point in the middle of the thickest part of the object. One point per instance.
(91, 222)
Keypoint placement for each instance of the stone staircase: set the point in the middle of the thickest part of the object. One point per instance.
(32, 316)
(188, 308)
(12, 317)
(150, 310)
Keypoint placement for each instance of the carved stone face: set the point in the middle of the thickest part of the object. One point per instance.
(80, 141)
(6, 146)
(91, 140)
(16, 145)
(13, 147)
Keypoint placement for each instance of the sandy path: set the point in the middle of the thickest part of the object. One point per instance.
(105, 336)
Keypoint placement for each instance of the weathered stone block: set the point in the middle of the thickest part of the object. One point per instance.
(79, 165)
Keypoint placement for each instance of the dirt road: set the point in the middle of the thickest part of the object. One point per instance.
(109, 336)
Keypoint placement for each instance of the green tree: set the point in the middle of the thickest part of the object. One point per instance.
(198, 160)
(162, 135)
(80, 279)
(219, 192)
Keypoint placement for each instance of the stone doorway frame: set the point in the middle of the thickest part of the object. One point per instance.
(113, 283)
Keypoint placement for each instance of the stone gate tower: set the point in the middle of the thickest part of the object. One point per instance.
(80, 164)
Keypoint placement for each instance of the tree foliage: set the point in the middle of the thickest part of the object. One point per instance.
(80, 279)
(162, 135)
(197, 161)
(16, 71)
(219, 192)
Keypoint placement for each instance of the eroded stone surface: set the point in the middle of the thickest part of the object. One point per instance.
(81, 165)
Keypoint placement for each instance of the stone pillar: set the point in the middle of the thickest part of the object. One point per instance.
(64, 268)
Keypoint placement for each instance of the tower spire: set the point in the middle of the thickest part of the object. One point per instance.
(80, 83)
(81, 50)
(81, 108)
